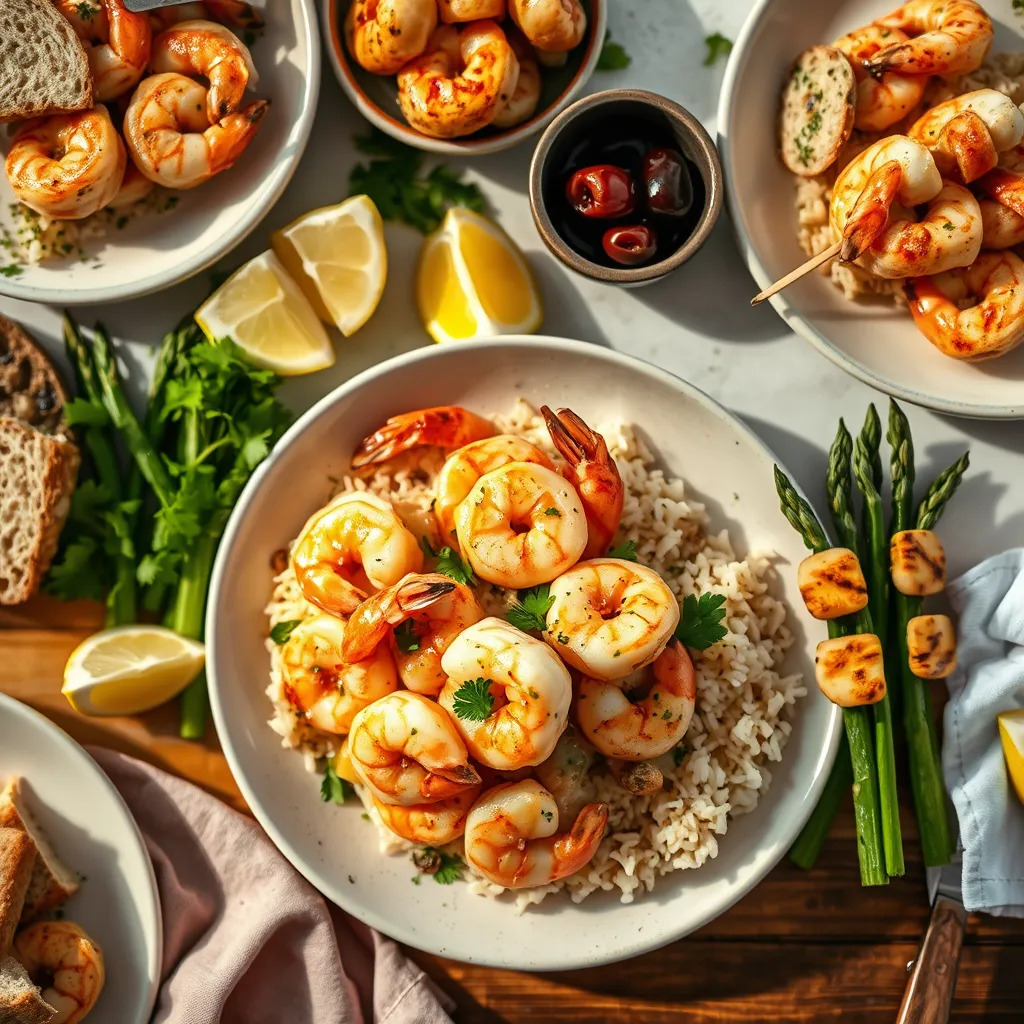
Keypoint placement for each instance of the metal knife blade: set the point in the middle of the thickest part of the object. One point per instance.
(947, 880)
(138, 6)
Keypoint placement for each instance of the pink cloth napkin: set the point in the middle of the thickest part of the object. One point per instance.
(246, 938)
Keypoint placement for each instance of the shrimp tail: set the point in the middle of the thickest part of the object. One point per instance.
(968, 141)
(445, 426)
(572, 437)
(421, 592)
(461, 774)
(870, 213)
(1005, 187)
(574, 849)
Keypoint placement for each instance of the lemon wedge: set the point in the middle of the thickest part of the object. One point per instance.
(1011, 732)
(130, 669)
(342, 764)
(472, 281)
(338, 258)
(265, 312)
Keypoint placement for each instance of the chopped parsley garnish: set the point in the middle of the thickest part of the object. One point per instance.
(449, 563)
(717, 46)
(613, 55)
(948, 226)
(12, 270)
(625, 550)
(282, 630)
(530, 608)
(473, 700)
(85, 10)
(547, 815)
(679, 751)
(445, 867)
(407, 638)
(700, 622)
(552, 512)
(334, 789)
(561, 638)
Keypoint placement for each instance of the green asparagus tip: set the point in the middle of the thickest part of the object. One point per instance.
(945, 485)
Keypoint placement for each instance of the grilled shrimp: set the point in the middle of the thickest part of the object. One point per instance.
(384, 35)
(609, 617)
(512, 836)
(566, 773)
(966, 134)
(885, 99)
(67, 166)
(432, 824)
(204, 49)
(523, 102)
(407, 751)
(593, 473)
(644, 729)
(443, 426)
(135, 186)
(461, 82)
(436, 610)
(471, 10)
(320, 683)
(949, 37)
(521, 525)
(530, 690)
(554, 26)
(357, 535)
(1005, 183)
(117, 43)
(236, 13)
(65, 963)
(974, 312)
(1002, 228)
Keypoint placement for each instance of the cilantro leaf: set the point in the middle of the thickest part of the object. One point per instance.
(717, 46)
(280, 632)
(334, 789)
(473, 700)
(530, 608)
(407, 638)
(679, 751)
(445, 867)
(625, 550)
(12, 270)
(613, 55)
(449, 563)
(700, 624)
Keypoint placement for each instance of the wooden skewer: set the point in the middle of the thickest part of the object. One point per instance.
(794, 275)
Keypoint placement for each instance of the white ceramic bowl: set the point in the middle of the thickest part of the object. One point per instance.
(879, 345)
(94, 834)
(376, 96)
(157, 249)
(722, 462)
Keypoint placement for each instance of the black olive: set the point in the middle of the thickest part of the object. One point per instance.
(667, 184)
(631, 245)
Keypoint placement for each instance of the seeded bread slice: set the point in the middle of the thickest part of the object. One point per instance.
(43, 65)
(31, 388)
(17, 858)
(20, 1001)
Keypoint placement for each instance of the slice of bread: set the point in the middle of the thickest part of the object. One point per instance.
(43, 65)
(52, 882)
(20, 1000)
(37, 478)
(17, 858)
(31, 388)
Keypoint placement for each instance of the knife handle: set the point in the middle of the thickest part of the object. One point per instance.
(929, 994)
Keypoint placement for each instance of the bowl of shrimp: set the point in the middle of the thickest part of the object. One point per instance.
(490, 641)
(202, 112)
(891, 174)
(463, 76)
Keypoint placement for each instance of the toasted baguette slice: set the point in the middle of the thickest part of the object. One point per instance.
(43, 65)
(17, 858)
(818, 102)
(20, 1000)
(31, 388)
(37, 478)
(52, 882)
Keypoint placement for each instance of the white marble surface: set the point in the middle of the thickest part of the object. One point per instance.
(696, 323)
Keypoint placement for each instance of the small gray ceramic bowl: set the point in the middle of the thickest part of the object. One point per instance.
(548, 175)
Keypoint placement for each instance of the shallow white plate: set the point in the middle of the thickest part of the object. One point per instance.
(157, 249)
(94, 834)
(877, 344)
(722, 462)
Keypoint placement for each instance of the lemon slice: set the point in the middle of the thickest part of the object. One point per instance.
(472, 281)
(1011, 732)
(264, 311)
(338, 258)
(130, 669)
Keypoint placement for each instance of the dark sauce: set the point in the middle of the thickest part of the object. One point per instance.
(621, 141)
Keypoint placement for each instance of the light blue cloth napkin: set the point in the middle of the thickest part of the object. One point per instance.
(989, 600)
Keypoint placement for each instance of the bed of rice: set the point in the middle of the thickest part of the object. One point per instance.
(740, 724)
(1001, 71)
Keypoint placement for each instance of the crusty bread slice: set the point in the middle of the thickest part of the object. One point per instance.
(52, 882)
(17, 858)
(43, 65)
(31, 388)
(37, 478)
(20, 1001)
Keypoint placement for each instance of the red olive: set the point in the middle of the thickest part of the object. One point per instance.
(630, 245)
(603, 191)
(667, 182)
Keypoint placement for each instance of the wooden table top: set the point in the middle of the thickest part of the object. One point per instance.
(803, 946)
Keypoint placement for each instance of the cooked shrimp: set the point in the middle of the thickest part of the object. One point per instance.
(444, 426)
(566, 773)
(523, 102)
(67, 166)
(460, 83)
(973, 313)
(609, 617)
(1001, 227)
(65, 963)
(554, 26)
(530, 692)
(237, 13)
(950, 37)
(135, 186)
(433, 824)
(471, 10)
(384, 35)
(649, 727)
(117, 43)
(882, 100)
(436, 609)
(467, 464)
(512, 836)
(170, 138)
(356, 533)
(593, 472)
(321, 684)
(204, 49)
(967, 133)
(1005, 183)
(521, 525)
